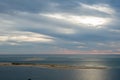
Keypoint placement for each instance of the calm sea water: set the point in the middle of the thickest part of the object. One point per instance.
(23, 73)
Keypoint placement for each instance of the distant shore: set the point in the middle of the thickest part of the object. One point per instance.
(52, 66)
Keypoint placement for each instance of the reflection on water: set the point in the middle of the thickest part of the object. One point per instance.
(23, 73)
(91, 74)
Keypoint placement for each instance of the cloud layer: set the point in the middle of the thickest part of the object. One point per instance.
(58, 26)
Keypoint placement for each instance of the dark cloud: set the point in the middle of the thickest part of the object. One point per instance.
(25, 6)
(47, 5)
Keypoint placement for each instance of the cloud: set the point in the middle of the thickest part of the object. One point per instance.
(20, 37)
(68, 51)
(65, 31)
(99, 7)
(52, 25)
(88, 21)
(114, 30)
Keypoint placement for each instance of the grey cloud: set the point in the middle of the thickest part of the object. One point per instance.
(25, 16)
(26, 5)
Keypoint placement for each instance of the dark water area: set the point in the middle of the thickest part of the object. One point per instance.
(24, 73)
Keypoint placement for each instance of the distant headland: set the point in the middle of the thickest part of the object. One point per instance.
(53, 66)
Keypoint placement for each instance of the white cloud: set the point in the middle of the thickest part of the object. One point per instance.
(88, 21)
(56, 16)
(114, 44)
(99, 7)
(81, 47)
(114, 30)
(18, 37)
(3, 38)
(109, 44)
(65, 30)
(101, 44)
(6, 23)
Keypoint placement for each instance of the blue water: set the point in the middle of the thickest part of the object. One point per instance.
(23, 73)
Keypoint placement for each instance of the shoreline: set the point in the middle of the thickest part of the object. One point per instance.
(51, 66)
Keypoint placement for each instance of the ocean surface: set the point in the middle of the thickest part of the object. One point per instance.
(35, 73)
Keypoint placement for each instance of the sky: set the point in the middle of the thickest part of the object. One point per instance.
(59, 27)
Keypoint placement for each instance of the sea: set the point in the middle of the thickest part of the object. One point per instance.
(36, 73)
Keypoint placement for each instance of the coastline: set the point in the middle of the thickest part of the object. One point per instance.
(51, 66)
